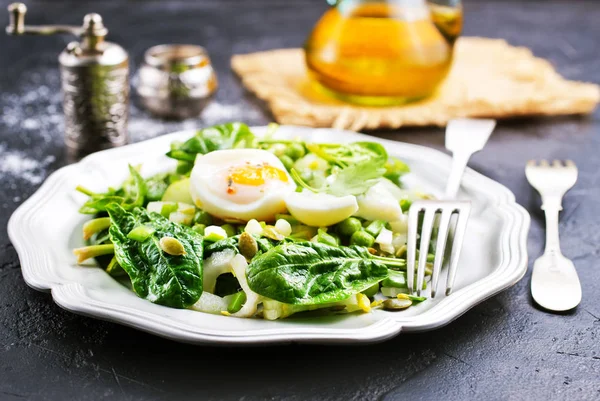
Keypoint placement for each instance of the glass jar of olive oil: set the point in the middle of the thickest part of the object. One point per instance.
(383, 52)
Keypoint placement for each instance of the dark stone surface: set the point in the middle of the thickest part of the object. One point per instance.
(504, 348)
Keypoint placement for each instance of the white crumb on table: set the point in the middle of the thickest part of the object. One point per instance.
(19, 165)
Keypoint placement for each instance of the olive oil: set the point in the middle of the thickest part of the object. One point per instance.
(383, 53)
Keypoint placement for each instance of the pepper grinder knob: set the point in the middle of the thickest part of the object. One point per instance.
(93, 32)
(93, 25)
(17, 19)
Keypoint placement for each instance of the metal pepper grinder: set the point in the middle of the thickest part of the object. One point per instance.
(95, 82)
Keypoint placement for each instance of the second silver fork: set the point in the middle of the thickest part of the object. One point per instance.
(554, 281)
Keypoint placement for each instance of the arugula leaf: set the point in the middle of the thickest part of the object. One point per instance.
(133, 194)
(357, 167)
(352, 180)
(345, 155)
(156, 186)
(98, 203)
(136, 193)
(394, 169)
(101, 237)
(174, 281)
(219, 137)
(307, 273)
(355, 179)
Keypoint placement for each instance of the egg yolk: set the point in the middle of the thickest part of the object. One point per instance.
(255, 175)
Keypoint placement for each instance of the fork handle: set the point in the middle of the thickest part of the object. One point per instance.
(459, 164)
(552, 207)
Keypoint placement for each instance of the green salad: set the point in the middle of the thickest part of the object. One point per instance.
(262, 227)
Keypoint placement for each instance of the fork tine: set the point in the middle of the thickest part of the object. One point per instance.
(557, 163)
(424, 249)
(544, 163)
(440, 248)
(461, 226)
(531, 163)
(570, 163)
(411, 244)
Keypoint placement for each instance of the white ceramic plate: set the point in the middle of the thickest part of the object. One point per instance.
(46, 227)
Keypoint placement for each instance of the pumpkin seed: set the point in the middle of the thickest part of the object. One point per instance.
(396, 304)
(171, 246)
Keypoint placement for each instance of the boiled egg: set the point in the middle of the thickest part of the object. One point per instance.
(378, 203)
(318, 210)
(240, 184)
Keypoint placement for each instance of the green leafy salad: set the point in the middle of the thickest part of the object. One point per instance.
(262, 227)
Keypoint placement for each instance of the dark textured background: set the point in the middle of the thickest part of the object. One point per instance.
(504, 348)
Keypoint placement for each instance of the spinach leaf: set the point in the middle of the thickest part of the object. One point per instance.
(174, 281)
(225, 136)
(307, 273)
(133, 194)
(219, 246)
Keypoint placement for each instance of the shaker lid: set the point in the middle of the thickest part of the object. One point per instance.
(174, 56)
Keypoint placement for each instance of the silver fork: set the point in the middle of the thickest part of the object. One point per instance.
(464, 137)
(554, 282)
(438, 214)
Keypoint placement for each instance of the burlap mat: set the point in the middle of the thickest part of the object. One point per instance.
(489, 78)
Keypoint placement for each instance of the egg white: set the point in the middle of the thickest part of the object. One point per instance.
(378, 203)
(320, 210)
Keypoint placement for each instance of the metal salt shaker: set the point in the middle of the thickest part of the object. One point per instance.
(95, 82)
(176, 81)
